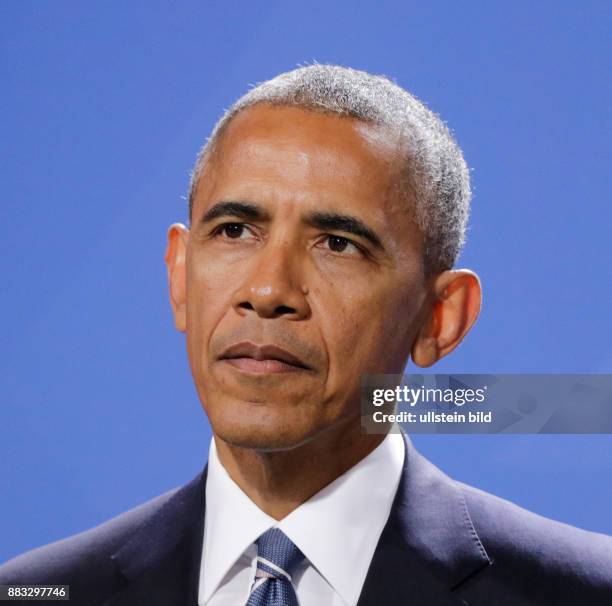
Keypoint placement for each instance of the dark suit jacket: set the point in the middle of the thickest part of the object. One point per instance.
(444, 544)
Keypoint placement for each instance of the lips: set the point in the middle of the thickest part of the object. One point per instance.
(267, 358)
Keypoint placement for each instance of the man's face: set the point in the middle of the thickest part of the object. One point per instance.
(303, 272)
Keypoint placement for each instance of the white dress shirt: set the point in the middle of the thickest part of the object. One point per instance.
(337, 530)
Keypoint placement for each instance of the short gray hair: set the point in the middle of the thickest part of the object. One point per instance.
(433, 167)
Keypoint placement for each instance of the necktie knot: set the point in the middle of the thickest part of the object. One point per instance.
(277, 558)
(277, 555)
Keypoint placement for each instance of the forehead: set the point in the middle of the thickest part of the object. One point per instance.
(306, 152)
(286, 125)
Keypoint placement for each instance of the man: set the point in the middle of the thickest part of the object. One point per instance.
(326, 213)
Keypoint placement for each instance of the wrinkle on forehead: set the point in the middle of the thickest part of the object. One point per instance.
(263, 121)
(290, 162)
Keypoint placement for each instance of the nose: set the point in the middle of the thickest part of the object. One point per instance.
(273, 285)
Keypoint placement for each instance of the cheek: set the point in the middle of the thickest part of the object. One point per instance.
(208, 295)
(207, 273)
(369, 328)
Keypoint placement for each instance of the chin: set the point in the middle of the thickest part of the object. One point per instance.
(268, 439)
(259, 426)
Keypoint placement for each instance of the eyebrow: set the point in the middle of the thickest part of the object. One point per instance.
(241, 210)
(346, 223)
(322, 220)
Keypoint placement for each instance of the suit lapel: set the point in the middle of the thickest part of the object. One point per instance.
(429, 546)
(161, 562)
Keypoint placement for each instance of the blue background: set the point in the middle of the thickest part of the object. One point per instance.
(104, 107)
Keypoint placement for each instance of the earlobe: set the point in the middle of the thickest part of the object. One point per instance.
(457, 297)
(176, 249)
(425, 351)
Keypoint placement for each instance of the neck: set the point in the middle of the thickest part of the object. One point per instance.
(278, 482)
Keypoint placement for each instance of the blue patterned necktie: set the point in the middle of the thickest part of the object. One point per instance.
(277, 558)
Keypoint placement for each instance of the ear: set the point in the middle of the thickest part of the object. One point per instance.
(457, 296)
(178, 236)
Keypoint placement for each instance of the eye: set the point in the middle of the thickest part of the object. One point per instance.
(338, 244)
(234, 231)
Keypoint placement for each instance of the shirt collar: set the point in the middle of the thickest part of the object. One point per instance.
(232, 523)
(353, 509)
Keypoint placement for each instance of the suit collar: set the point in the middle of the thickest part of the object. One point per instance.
(161, 561)
(429, 538)
(431, 513)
